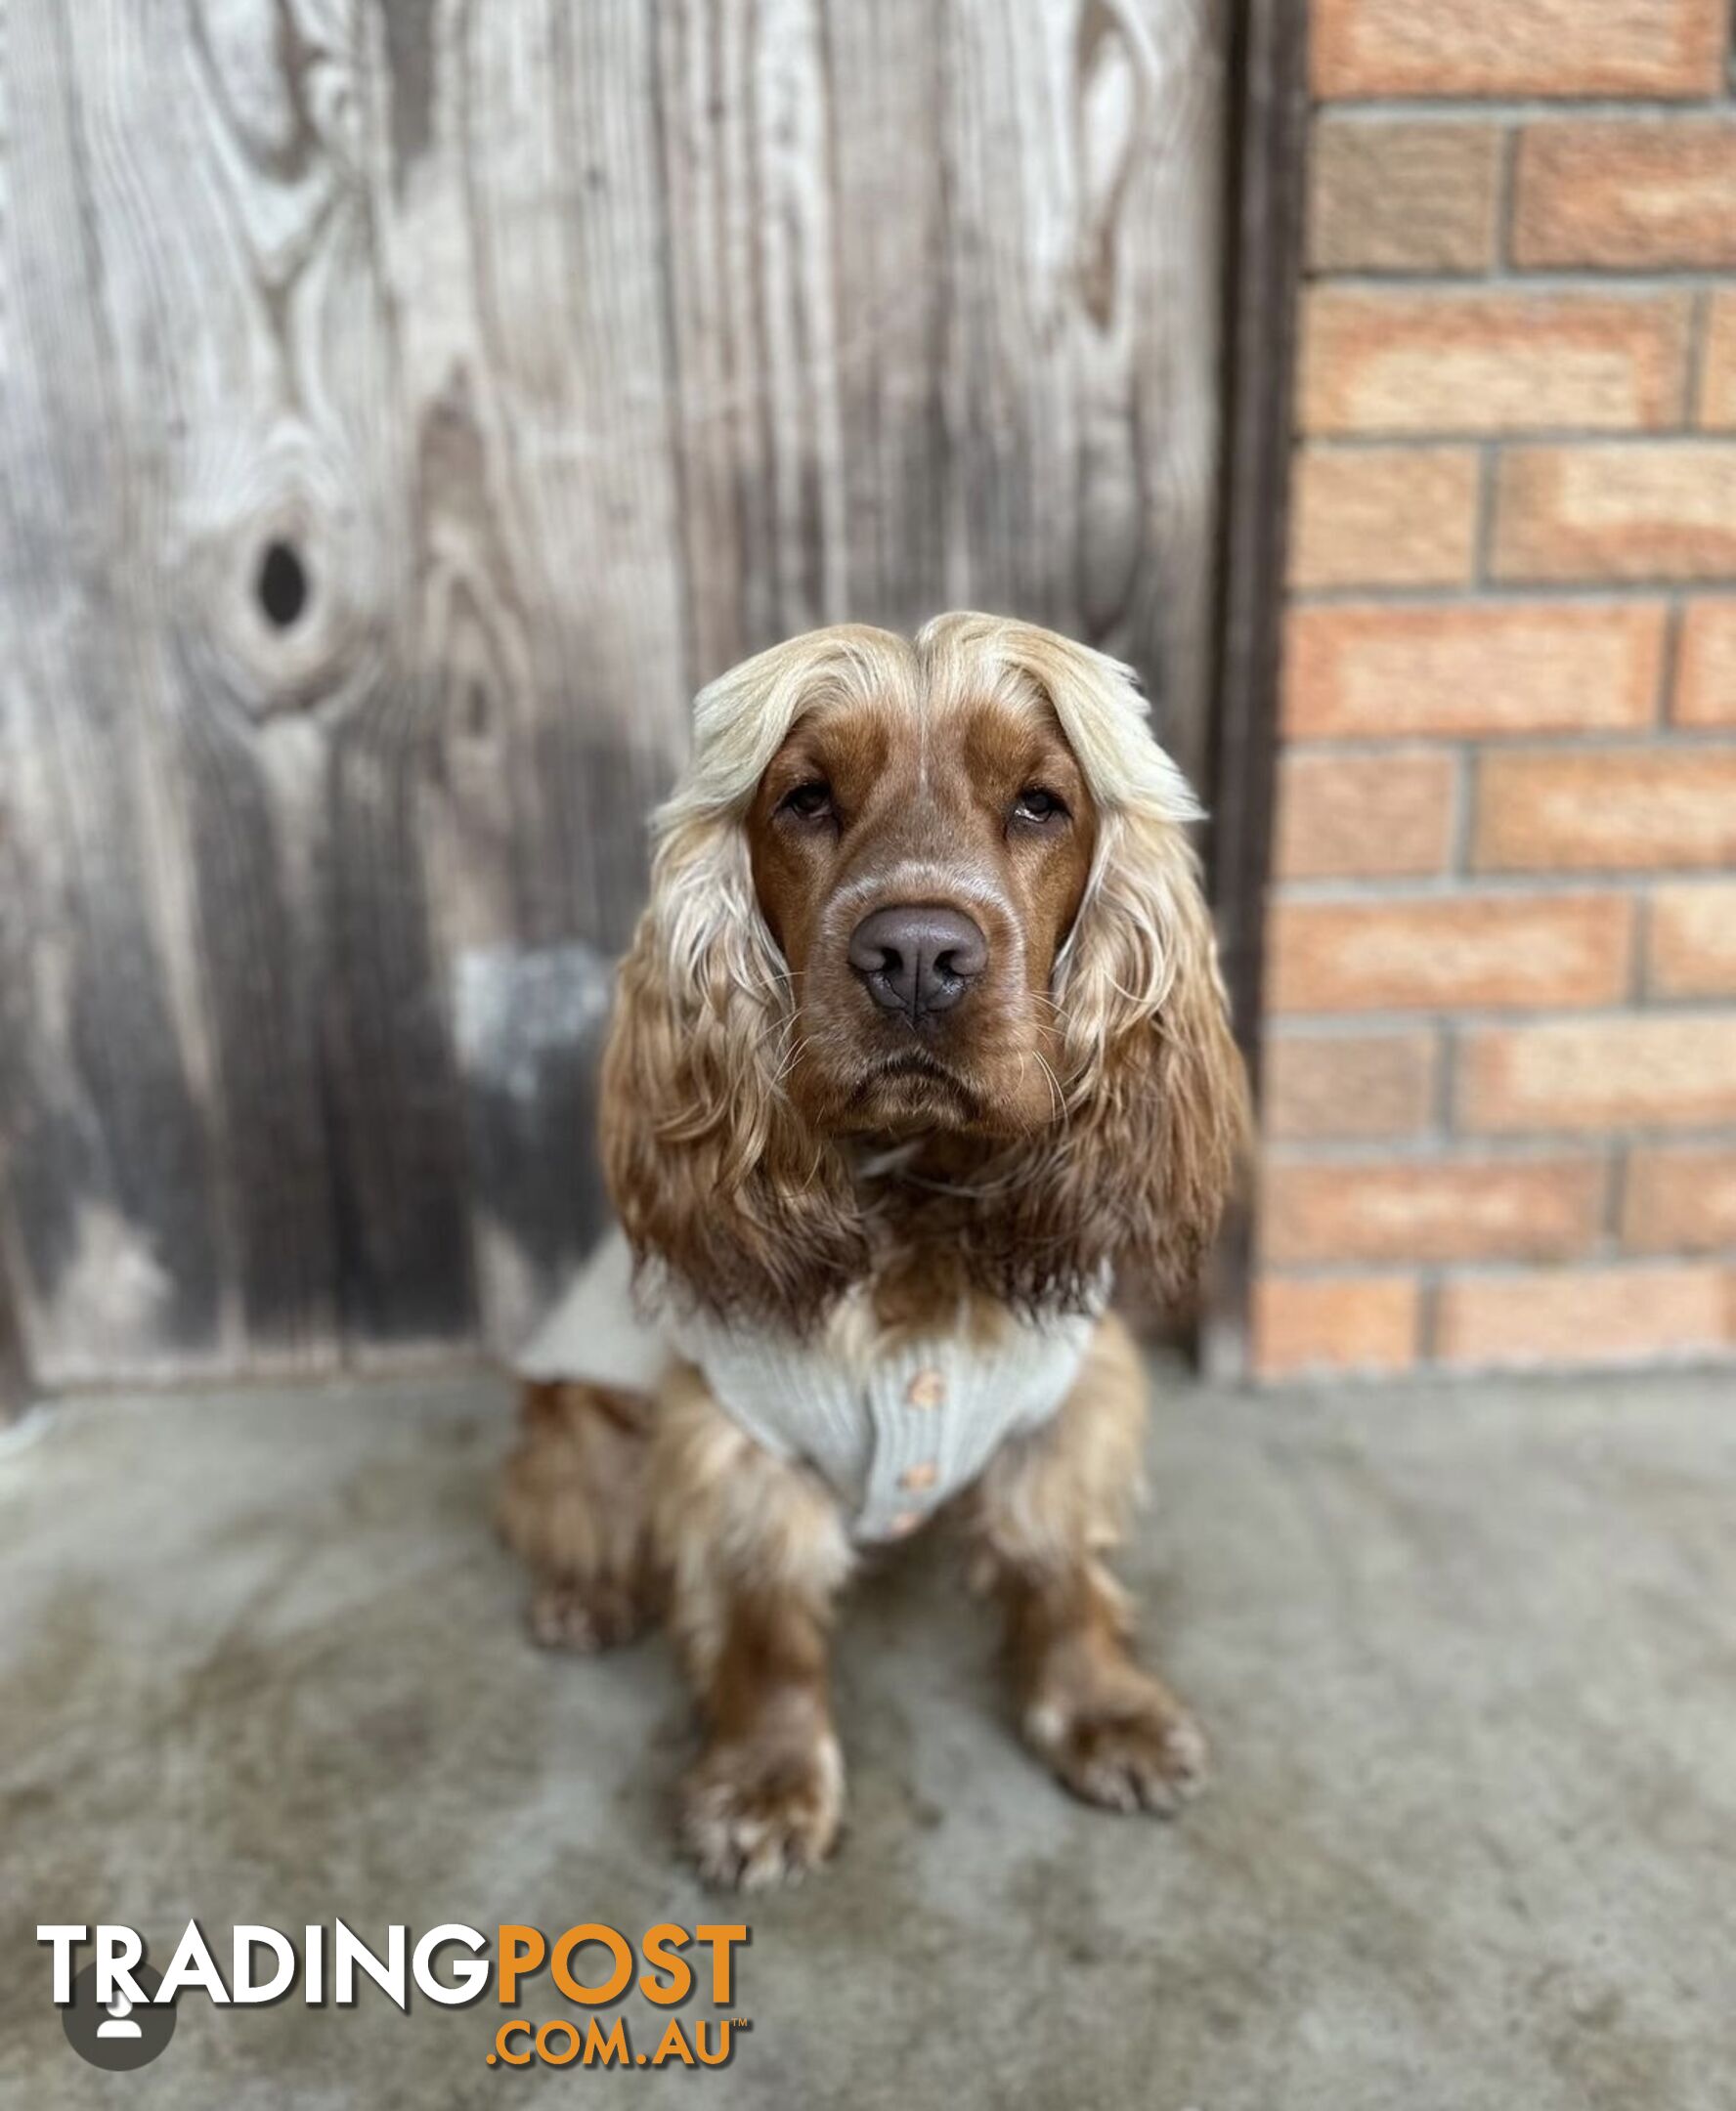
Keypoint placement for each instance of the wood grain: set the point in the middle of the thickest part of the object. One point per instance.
(408, 402)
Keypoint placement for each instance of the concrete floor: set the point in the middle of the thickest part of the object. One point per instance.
(1468, 1656)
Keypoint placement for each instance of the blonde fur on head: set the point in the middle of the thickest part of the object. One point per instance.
(1136, 1176)
(713, 1170)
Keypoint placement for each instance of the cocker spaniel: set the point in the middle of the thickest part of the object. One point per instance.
(920, 1046)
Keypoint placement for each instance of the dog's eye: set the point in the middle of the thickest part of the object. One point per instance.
(810, 802)
(1044, 807)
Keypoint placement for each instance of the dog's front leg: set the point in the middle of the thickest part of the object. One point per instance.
(573, 1505)
(757, 1553)
(1048, 1508)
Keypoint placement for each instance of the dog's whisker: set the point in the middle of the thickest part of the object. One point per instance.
(1057, 1098)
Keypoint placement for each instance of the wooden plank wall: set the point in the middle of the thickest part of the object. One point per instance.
(405, 404)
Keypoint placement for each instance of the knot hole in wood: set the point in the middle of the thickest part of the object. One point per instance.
(283, 583)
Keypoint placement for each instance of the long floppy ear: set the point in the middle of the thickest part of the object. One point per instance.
(1137, 1176)
(711, 1173)
(716, 1181)
(1160, 1121)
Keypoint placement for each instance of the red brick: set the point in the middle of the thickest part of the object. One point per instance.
(1628, 195)
(1349, 1323)
(1439, 952)
(1360, 815)
(1705, 665)
(1347, 1085)
(1638, 1071)
(1692, 942)
(1355, 672)
(1680, 1199)
(1517, 47)
(1412, 194)
(1383, 516)
(1716, 406)
(1540, 810)
(1663, 509)
(1391, 361)
(1614, 1315)
(1430, 1210)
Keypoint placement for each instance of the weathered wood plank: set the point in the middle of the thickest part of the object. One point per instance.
(944, 293)
(230, 282)
(112, 1229)
(548, 634)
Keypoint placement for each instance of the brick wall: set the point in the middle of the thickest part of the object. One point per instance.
(1502, 1035)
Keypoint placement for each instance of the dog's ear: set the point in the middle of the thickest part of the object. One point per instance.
(1160, 1124)
(713, 1175)
(1137, 1176)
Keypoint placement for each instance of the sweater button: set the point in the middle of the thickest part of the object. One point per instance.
(928, 1389)
(906, 1523)
(921, 1476)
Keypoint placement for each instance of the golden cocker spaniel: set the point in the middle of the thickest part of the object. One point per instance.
(920, 1046)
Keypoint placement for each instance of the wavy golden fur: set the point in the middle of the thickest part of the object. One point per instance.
(715, 1166)
(1028, 1087)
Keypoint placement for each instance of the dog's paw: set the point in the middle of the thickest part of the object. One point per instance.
(1135, 1748)
(757, 1813)
(584, 1616)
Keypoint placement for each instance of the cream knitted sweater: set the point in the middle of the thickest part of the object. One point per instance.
(895, 1432)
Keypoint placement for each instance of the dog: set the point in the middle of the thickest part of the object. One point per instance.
(921, 1047)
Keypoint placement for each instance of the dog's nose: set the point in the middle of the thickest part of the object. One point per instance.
(916, 957)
